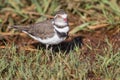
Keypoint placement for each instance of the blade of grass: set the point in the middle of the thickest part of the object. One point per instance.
(38, 7)
(78, 28)
(47, 4)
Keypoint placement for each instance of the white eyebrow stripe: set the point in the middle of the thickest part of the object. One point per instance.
(64, 15)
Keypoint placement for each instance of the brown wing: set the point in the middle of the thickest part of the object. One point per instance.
(42, 29)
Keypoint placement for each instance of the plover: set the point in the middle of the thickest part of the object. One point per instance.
(49, 32)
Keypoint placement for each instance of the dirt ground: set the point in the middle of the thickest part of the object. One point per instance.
(96, 38)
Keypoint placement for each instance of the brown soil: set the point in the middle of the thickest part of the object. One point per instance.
(94, 38)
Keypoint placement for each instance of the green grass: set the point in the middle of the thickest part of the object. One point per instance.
(20, 10)
(76, 65)
(59, 66)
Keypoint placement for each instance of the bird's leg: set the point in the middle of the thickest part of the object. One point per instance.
(51, 48)
(47, 45)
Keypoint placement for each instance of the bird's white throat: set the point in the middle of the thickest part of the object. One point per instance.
(60, 23)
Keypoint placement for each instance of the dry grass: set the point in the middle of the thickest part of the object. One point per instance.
(94, 61)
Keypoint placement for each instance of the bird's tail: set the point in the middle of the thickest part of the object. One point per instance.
(21, 28)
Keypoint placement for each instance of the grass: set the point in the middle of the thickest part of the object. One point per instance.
(76, 65)
(59, 66)
(25, 12)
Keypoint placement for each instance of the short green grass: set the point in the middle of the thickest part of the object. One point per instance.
(59, 66)
(21, 65)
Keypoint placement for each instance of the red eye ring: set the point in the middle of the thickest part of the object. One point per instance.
(65, 19)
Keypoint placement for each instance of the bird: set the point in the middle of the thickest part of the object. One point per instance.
(49, 32)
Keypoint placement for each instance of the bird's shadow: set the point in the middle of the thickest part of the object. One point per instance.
(65, 47)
